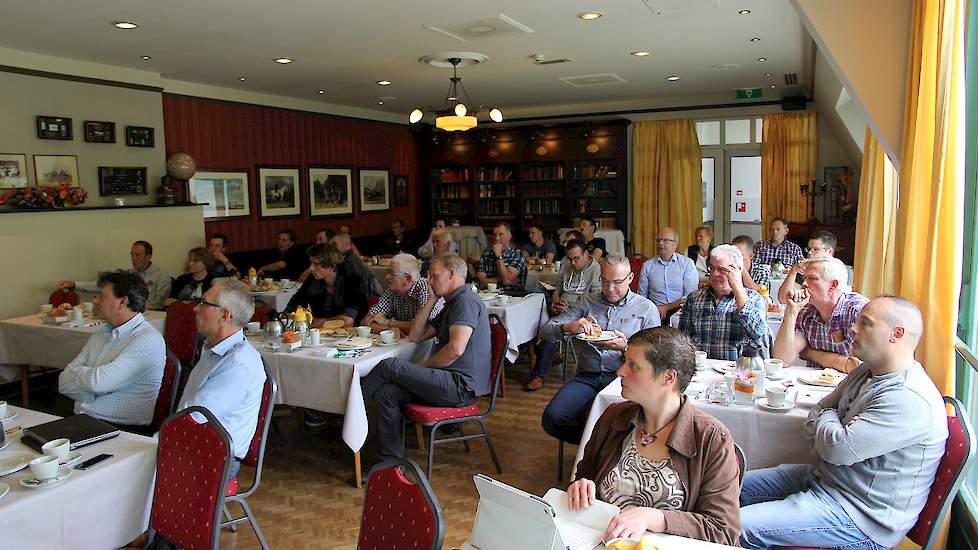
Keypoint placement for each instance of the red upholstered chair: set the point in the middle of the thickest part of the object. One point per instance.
(59, 297)
(180, 332)
(373, 300)
(958, 454)
(192, 466)
(636, 261)
(261, 313)
(255, 459)
(166, 399)
(398, 513)
(436, 417)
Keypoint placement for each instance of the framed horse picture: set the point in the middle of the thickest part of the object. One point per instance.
(278, 188)
(330, 190)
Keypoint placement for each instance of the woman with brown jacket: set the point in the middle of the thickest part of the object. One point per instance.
(670, 467)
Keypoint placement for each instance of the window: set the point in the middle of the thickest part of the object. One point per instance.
(745, 189)
(737, 131)
(708, 132)
(709, 186)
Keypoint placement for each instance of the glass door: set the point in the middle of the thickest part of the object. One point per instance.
(743, 183)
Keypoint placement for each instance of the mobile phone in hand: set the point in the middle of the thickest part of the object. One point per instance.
(799, 279)
(93, 461)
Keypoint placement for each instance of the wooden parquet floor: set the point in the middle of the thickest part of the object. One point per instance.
(307, 498)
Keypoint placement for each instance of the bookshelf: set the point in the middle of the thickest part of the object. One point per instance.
(451, 194)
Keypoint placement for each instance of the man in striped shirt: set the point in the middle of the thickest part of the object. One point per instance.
(406, 294)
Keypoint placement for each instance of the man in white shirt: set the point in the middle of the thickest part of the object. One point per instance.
(157, 281)
(229, 377)
(118, 373)
(669, 277)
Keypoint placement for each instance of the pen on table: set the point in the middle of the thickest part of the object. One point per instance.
(11, 430)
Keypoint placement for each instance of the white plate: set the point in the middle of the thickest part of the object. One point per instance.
(781, 376)
(486, 296)
(14, 462)
(5, 444)
(10, 416)
(724, 368)
(4, 489)
(63, 474)
(762, 404)
(73, 458)
(604, 337)
(383, 345)
(345, 346)
(813, 380)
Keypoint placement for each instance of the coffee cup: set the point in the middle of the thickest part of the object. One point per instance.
(363, 331)
(491, 287)
(46, 308)
(254, 327)
(57, 447)
(700, 359)
(387, 337)
(88, 308)
(503, 299)
(3, 409)
(286, 282)
(314, 337)
(44, 467)
(773, 367)
(776, 394)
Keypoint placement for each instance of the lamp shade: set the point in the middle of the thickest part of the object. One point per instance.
(456, 123)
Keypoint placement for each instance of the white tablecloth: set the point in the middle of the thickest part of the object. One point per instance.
(522, 318)
(614, 239)
(307, 379)
(767, 438)
(775, 287)
(534, 277)
(277, 300)
(104, 507)
(28, 341)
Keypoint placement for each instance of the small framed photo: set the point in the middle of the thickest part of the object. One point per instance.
(139, 136)
(401, 196)
(13, 171)
(54, 127)
(223, 194)
(97, 131)
(51, 170)
(374, 190)
(121, 180)
(278, 187)
(330, 190)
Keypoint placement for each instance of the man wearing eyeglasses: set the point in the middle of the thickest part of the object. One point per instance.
(669, 277)
(619, 313)
(580, 276)
(406, 294)
(821, 244)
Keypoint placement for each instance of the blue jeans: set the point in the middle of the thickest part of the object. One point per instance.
(545, 355)
(563, 416)
(786, 506)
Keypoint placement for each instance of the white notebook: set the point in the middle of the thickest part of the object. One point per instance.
(580, 530)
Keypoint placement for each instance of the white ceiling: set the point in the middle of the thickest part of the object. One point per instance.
(345, 47)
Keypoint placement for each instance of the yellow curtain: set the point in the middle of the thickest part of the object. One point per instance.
(930, 219)
(875, 221)
(667, 185)
(789, 156)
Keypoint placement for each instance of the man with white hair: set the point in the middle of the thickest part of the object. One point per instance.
(229, 377)
(724, 316)
(878, 439)
(819, 316)
(406, 294)
(427, 250)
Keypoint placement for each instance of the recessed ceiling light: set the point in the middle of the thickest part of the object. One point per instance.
(755, 39)
(672, 78)
(762, 59)
(242, 78)
(590, 15)
(284, 60)
(744, 12)
(773, 86)
(145, 57)
(380, 102)
(125, 25)
(322, 91)
(641, 53)
(384, 82)
(768, 74)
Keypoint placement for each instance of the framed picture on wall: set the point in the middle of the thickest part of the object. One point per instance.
(99, 132)
(401, 196)
(121, 180)
(140, 136)
(13, 170)
(53, 127)
(278, 189)
(374, 190)
(223, 194)
(51, 170)
(330, 190)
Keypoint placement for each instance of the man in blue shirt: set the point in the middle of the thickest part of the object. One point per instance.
(669, 277)
(229, 377)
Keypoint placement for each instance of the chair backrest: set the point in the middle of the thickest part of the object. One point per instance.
(261, 313)
(59, 297)
(180, 332)
(166, 399)
(192, 466)
(741, 461)
(499, 337)
(958, 455)
(256, 451)
(398, 513)
(636, 261)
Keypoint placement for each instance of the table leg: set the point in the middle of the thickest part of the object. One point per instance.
(25, 385)
(356, 469)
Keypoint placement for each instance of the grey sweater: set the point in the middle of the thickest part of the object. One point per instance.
(880, 467)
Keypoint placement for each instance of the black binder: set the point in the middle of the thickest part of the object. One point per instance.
(81, 429)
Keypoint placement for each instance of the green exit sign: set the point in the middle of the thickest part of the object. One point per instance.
(748, 93)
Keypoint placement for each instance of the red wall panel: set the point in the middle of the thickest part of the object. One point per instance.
(234, 136)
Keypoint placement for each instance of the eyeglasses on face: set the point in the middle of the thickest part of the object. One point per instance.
(392, 274)
(615, 282)
(666, 241)
(203, 302)
(574, 258)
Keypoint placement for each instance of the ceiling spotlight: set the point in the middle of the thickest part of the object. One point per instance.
(416, 116)
(744, 12)
(125, 25)
(381, 102)
(755, 39)
(768, 74)
(384, 82)
(672, 78)
(322, 91)
(145, 57)
(284, 60)
(242, 78)
(590, 15)
(773, 86)
(641, 53)
(762, 59)
(496, 115)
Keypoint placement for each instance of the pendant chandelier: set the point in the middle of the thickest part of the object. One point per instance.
(455, 116)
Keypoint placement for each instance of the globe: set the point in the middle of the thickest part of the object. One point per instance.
(181, 166)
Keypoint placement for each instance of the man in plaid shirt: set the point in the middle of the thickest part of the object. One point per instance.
(502, 263)
(722, 317)
(777, 249)
(406, 293)
(818, 318)
(756, 274)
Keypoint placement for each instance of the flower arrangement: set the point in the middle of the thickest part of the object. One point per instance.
(59, 196)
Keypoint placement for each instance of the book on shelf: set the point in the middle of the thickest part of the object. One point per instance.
(595, 171)
(493, 173)
(545, 172)
(453, 175)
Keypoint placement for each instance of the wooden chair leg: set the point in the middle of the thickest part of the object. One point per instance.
(25, 386)
(419, 435)
(357, 475)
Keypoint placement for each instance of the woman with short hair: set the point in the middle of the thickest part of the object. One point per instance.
(198, 278)
(699, 251)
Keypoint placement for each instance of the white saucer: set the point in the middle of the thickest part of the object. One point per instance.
(724, 368)
(73, 458)
(14, 462)
(349, 347)
(32, 483)
(781, 376)
(10, 416)
(762, 404)
(383, 345)
(4, 489)
(5, 444)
